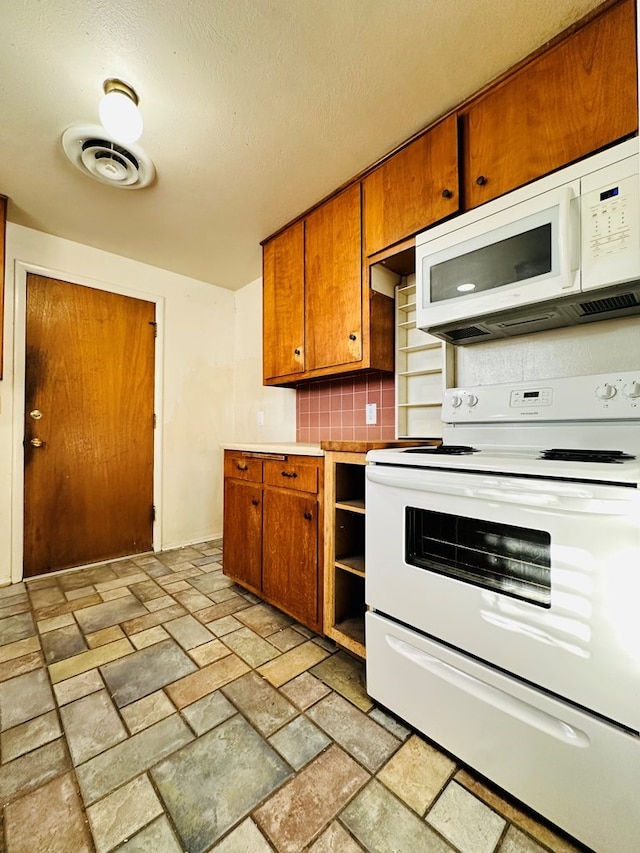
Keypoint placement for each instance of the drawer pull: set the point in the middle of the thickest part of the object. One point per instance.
(242, 467)
(308, 516)
(291, 474)
(446, 193)
(255, 501)
(481, 180)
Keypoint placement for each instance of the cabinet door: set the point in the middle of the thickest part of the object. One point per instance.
(579, 96)
(283, 303)
(413, 189)
(290, 554)
(242, 558)
(333, 282)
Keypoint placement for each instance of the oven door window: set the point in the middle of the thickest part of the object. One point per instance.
(512, 560)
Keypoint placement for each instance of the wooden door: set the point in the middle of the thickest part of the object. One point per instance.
(412, 189)
(290, 553)
(333, 282)
(283, 304)
(88, 492)
(572, 100)
(242, 557)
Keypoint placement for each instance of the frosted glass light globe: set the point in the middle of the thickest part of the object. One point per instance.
(120, 117)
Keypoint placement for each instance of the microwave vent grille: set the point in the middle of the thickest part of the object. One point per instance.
(467, 332)
(611, 303)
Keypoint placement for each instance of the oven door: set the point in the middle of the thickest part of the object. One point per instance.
(540, 578)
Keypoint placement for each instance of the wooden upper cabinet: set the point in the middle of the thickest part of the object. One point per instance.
(333, 282)
(3, 222)
(412, 189)
(283, 303)
(568, 102)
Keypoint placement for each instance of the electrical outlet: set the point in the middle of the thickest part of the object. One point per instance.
(260, 419)
(371, 413)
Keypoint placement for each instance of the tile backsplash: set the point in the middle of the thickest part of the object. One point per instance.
(335, 409)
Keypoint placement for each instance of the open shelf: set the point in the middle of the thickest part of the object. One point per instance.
(424, 368)
(345, 519)
(351, 506)
(353, 564)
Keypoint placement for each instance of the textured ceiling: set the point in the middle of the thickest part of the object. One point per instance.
(253, 109)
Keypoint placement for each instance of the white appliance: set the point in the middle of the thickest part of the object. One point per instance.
(503, 590)
(561, 251)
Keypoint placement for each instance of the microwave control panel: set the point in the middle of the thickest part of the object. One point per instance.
(610, 208)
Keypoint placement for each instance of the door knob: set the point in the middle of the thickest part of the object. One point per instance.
(37, 442)
(36, 414)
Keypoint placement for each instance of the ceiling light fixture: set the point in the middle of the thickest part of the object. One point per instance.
(119, 113)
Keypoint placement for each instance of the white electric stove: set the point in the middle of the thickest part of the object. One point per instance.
(503, 581)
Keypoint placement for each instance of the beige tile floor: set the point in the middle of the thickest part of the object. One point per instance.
(151, 704)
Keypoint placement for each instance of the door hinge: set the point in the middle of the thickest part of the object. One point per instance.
(155, 327)
(155, 421)
(153, 512)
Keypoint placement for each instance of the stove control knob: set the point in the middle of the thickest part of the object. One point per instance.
(606, 391)
(456, 401)
(632, 389)
(472, 400)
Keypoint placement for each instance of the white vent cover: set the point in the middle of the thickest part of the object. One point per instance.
(90, 150)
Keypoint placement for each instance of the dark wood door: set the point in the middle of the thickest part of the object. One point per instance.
(290, 553)
(242, 558)
(88, 492)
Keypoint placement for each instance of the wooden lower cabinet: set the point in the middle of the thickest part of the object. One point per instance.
(273, 522)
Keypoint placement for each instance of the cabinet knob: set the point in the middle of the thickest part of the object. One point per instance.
(255, 501)
(352, 337)
(242, 467)
(291, 474)
(296, 351)
(308, 516)
(446, 193)
(481, 180)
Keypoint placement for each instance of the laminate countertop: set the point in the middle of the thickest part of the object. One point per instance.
(288, 448)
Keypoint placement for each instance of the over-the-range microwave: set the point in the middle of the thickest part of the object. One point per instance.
(560, 251)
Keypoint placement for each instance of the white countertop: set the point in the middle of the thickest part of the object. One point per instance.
(290, 448)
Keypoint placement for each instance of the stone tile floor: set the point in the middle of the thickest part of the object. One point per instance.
(150, 704)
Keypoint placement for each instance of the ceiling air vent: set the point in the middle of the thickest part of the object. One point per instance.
(610, 303)
(99, 157)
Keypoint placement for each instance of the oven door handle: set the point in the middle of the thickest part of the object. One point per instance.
(491, 695)
(575, 497)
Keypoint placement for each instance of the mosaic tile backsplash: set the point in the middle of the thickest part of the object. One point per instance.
(335, 409)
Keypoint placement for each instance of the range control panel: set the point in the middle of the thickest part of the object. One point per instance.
(602, 396)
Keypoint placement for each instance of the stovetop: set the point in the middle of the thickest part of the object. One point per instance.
(517, 462)
(579, 428)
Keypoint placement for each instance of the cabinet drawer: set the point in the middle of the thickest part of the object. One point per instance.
(242, 467)
(293, 474)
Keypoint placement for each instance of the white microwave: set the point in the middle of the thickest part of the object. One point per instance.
(561, 251)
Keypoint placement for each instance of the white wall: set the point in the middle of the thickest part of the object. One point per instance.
(196, 351)
(278, 405)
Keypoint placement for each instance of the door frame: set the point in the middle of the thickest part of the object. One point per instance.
(22, 269)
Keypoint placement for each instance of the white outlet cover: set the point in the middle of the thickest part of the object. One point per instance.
(371, 413)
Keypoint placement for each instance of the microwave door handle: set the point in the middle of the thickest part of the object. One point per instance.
(565, 239)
